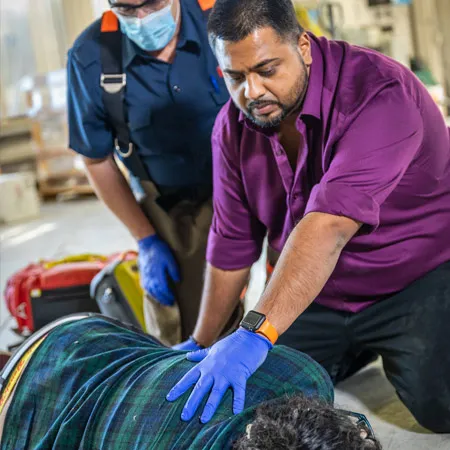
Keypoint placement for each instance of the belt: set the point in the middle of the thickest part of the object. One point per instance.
(172, 196)
(193, 193)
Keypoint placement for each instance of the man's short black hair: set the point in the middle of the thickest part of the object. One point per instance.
(303, 423)
(234, 20)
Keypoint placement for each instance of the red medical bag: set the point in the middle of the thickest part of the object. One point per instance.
(48, 290)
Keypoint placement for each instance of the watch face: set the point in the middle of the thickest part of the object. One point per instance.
(253, 320)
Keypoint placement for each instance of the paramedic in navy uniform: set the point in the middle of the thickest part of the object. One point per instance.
(174, 91)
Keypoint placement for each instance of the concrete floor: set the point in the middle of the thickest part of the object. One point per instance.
(86, 226)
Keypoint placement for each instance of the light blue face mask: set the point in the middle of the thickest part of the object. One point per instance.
(153, 32)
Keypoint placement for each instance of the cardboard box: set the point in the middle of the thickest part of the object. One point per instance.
(19, 199)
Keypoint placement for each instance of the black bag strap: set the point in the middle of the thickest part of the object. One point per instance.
(113, 81)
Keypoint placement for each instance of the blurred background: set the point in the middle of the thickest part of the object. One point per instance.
(36, 35)
(48, 210)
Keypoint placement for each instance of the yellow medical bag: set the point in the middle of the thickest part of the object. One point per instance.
(118, 292)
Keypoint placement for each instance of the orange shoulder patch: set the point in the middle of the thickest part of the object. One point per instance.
(110, 22)
(206, 4)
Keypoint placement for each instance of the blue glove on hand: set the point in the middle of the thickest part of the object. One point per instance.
(188, 346)
(156, 265)
(228, 363)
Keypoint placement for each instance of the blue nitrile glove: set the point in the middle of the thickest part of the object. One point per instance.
(188, 346)
(228, 363)
(156, 265)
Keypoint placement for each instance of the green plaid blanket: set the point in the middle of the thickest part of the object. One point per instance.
(95, 385)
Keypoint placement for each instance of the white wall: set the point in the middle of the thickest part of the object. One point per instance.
(34, 38)
(402, 47)
(432, 38)
(46, 39)
(356, 13)
(362, 25)
(77, 15)
(99, 6)
(17, 57)
(429, 37)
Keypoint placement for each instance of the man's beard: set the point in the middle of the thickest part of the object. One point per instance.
(292, 105)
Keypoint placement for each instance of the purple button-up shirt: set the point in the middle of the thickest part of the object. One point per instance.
(375, 148)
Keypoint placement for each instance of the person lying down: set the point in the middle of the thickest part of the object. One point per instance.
(94, 383)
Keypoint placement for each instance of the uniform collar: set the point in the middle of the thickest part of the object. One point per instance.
(188, 36)
(313, 99)
(191, 18)
(129, 51)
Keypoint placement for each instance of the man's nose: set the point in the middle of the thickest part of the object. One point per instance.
(254, 88)
(141, 13)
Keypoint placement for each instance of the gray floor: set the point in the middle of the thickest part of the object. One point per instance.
(85, 226)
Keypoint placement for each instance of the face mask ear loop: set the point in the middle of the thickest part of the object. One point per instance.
(178, 11)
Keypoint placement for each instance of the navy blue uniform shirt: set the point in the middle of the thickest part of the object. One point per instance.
(171, 107)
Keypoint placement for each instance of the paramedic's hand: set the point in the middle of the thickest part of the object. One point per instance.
(228, 363)
(188, 346)
(157, 265)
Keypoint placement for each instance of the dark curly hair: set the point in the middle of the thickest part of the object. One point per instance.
(301, 423)
(234, 20)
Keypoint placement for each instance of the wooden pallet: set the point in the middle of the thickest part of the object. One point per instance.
(65, 194)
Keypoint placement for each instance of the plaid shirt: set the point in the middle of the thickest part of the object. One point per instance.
(95, 385)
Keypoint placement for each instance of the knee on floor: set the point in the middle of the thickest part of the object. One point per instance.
(433, 415)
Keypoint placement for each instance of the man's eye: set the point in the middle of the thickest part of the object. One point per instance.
(236, 78)
(267, 73)
(125, 11)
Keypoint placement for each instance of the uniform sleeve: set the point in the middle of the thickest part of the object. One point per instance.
(89, 133)
(370, 159)
(236, 235)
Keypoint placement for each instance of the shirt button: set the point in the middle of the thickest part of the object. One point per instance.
(295, 196)
(177, 88)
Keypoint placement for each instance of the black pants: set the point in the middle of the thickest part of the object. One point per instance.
(411, 332)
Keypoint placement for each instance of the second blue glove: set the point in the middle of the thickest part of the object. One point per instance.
(156, 265)
(229, 363)
(187, 346)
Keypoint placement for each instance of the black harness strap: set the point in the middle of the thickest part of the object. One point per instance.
(113, 82)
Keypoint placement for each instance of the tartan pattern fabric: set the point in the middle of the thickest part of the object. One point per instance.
(93, 384)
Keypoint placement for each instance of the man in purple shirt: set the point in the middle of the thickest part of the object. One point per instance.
(340, 156)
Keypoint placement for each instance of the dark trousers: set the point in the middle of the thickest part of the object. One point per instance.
(411, 332)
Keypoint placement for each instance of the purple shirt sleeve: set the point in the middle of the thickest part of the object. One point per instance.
(370, 159)
(236, 235)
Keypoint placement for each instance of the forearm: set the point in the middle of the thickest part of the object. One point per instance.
(221, 295)
(305, 265)
(112, 188)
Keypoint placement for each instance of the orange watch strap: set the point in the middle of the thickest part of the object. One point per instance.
(268, 331)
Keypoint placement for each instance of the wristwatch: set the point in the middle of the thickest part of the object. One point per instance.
(258, 323)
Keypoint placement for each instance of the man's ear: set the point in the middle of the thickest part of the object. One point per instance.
(304, 47)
